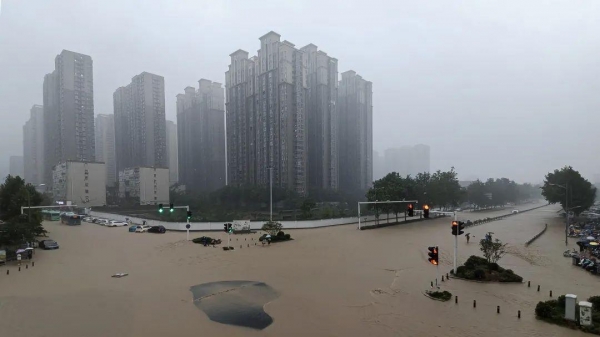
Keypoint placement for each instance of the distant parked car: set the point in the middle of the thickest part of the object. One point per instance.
(515, 211)
(132, 228)
(115, 223)
(157, 229)
(143, 228)
(102, 222)
(87, 219)
(48, 244)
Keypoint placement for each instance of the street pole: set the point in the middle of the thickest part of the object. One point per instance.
(455, 244)
(28, 205)
(566, 213)
(271, 193)
(187, 227)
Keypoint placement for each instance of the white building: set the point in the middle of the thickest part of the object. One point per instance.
(149, 185)
(82, 183)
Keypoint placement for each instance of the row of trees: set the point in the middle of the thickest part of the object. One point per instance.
(442, 190)
(498, 192)
(16, 228)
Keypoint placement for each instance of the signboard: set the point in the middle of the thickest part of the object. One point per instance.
(2, 256)
(187, 226)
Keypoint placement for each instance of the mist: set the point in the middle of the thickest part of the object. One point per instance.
(495, 88)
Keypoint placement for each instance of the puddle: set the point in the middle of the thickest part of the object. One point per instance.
(239, 303)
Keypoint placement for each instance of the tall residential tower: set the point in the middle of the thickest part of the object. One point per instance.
(355, 102)
(140, 124)
(266, 116)
(33, 146)
(201, 137)
(69, 111)
(105, 146)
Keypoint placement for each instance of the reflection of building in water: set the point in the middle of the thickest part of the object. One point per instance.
(82, 183)
(146, 185)
(408, 160)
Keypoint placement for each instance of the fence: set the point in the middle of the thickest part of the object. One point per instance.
(217, 226)
(487, 220)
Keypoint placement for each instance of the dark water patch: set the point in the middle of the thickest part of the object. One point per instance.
(239, 303)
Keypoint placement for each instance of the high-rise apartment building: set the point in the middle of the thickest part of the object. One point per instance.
(355, 109)
(172, 152)
(322, 119)
(82, 183)
(140, 124)
(144, 185)
(408, 160)
(266, 115)
(105, 146)
(201, 137)
(15, 167)
(33, 146)
(69, 111)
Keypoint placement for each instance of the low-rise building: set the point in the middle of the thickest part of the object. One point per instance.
(148, 185)
(81, 183)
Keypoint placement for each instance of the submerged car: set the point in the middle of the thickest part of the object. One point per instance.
(132, 228)
(143, 228)
(114, 223)
(157, 229)
(48, 244)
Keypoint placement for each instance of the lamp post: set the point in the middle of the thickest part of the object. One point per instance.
(271, 193)
(566, 188)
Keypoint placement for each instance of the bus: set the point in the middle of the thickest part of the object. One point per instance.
(70, 219)
(50, 215)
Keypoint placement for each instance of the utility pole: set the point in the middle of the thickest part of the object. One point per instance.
(455, 244)
(566, 214)
(271, 192)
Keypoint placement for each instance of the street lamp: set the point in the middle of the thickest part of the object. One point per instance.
(566, 188)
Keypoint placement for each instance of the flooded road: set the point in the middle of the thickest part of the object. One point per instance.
(335, 281)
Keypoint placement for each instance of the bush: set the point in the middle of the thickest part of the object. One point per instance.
(479, 274)
(595, 300)
(507, 276)
(272, 227)
(546, 310)
(288, 237)
(493, 266)
(440, 295)
(460, 271)
(474, 261)
(280, 234)
(561, 301)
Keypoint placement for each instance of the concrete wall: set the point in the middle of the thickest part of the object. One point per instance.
(218, 226)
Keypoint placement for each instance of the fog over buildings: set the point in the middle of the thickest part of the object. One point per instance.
(494, 88)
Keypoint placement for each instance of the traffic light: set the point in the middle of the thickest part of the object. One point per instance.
(171, 208)
(227, 227)
(458, 227)
(410, 210)
(160, 208)
(433, 255)
(189, 215)
(426, 211)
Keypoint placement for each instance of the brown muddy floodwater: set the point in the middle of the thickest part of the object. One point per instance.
(334, 281)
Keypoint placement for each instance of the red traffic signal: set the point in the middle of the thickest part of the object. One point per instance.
(433, 255)
(426, 211)
(458, 227)
(410, 210)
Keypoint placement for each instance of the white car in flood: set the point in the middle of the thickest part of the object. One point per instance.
(114, 223)
(142, 229)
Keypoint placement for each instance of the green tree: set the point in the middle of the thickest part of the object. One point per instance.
(20, 230)
(493, 251)
(272, 227)
(306, 208)
(14, 193)
(581, 193)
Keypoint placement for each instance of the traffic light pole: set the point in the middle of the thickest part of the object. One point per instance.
(455, 244)
(187, 226)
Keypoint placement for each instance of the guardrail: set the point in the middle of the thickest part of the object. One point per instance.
(501, 217)
(537, 236)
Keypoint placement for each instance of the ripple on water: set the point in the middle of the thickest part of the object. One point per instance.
(239, 303)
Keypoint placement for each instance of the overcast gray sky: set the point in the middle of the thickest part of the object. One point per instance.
(496, 88)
